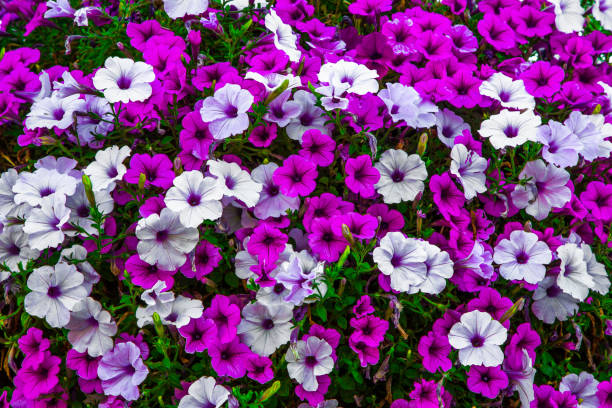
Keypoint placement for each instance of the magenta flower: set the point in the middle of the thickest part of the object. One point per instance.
(296, 177)
(366, 353)
(435, 350)
(205, 259)
(85, 366)
(488, 381)
(542, 79)
(199, 334)
(34, 345)
(267, 243)
(317, 147)
(226, 317)
(369, 329)
(324, 241)
(597, 198)
(229, 359)
(146, 275)
(36, 378)
(259, 368)
(363, 306)
(157, 169)
(447, 196)
(361, 176)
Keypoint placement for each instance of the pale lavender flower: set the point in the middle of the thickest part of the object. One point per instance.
(300, 274)
(583, 387)
(272, 203)
(573, 278)
(309, 359)
(204, 393)
(97, 122)
(521, 378)
(44, 224)
(7, 196)
(180, 8)
(544, 188)
(359, 78)
(195, 197)
(281, 110)
(561, 146)
(182, 309)
(265, 328)
(226, 111)
(235, 182)
(550, 302)
(478, 261)
(59, 8)
(510, 93)
(273, 80)
(69, 86)
(334, 94)
(401, 101)
(593, 133)
(122, 370)
(31, 188)
(62, 165)
(522, 257)
(78, 253)
(80, 207)
(14, 248)
(478, 338)
(401, 176)
(449, 125)
(284, 38)
(310, 117)
(470, 169)
(569, 15)
(439, 268)
(164, 241)
(402, 259)
(108, 167)
(123, 80)
(596, 270)
(55, 292)
(54, 111)
(91, 328)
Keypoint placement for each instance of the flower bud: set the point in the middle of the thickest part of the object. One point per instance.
(346, 233)
(422, 144)
(89, 190)
(159, 327)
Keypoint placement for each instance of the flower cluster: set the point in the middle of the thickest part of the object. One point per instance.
(366, 203)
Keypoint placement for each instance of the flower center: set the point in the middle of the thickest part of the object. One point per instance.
(397, 176)
(267, 324)
(477, 340)
(161, 236)
(231, 111)
(310, 361)
(54, 292)
(124, 82)
(193, 200)
(522, 258)
(58, 114)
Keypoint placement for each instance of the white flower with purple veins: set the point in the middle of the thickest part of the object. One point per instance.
(561, 146)
(602, 11)
(470, 169)
(158, 301)
(401, 176)
(59, 8)
(14, 248)
(180, 8)
(281, 110)
(204, 393)
(79, 253)
(569, 15)
(91, 328)
(80, 208)
(596, 270)
(550, 302)
(310, 117)
(54, 111)
(478, 338)
(439, 268)
(510, 128)
(54, 293)
(164, 241)
(235, 182)
(522, 257)
(272, 203)
(273, 80)
(510, 93)
(108, 167)
(573, 277)
(44, 224)
(299, 274)
(181, 310)
(123, 80)
(195, 197)
(358, 77)
(97, 122)
(544, 188)
(592, 132)
(479, 261)
(334, 94)
(309, 359)
(284, 38)
(404, 103)
(272, 295)
(449, 125)
(7, 196)
(583, 387)
(226, 111)
(69, 86)
(521, 378)
(402, 259)
(31, 188)
(265, 328)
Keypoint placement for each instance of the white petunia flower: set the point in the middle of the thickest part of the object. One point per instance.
(180, 8)
(478, 338)
(569, 15)
(265, 328)
(91, 328)
(79, 253)
(284, 38)
(550, 302)
(7, 196)
(80, 208)
(195, 197)
(522, 257)
(123, 80)
(573, 278)
(55, 292)
(359, 78)
(309, 359)
(402, 259)
(107, 168)
(44, 224)
(401, 176)
(439, 268)
(204, 393)
(164, 241)
(596, 270)
(510, 93)
(182, 309)
(510, 128)
(235, 182)
(470, 169)
(310, 117)
(449, 125)
(31, 188)
(54, 111)
(14, 248)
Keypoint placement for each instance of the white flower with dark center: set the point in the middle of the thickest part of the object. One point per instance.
(98, 121)
(107, 168)
(550, 302)
(31, 188)
(91, 328)
(55, 292)
(573, 277)
(522, 257)
(439, 268)
(181, 310)
(284, 38)
(180, 8)
(596, 270)
(158, 301)
(401, 176)
(569, 15)
(402, 259)
(478, 338)
(7, 196)
(14, 248)
(54, 111)
(449, 125)
(510, 128)
(123, 80)
(510, 93)
(195, 197)
(164, 241)
(265, 328)
(309, 359)
(44, 224)
(310, 117)
(204, 393)
(80, 208)
(272, 203)
(470, 169)
(273, 80)
(235, 182)
(77, 254)
(359, 78)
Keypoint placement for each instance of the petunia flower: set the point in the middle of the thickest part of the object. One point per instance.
(123, 80)
(361, 176)
(550, 302)
(573, 278)
(180, 8)
(402, 259)
(122, 370)
(561, 146)
(510, 128)
(91, 328)
(522, 257)
(54, 111)
(226, 111)
(487, 381)
(195, 197)
(510, 93)
(265, 328)
(43, 184)
(272, 203)
(204, 393)
(358, 77)
(235, 182)
(569, 15)
(107, 168)
(309, 359)
(401, 176)
(478, 337)
(199, 333)
(470, 169)
(229, 359)
(284, 38)
(435, 351)
(296, 177)
(317, 147)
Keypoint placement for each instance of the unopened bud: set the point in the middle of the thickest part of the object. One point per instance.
(177, 166)
(273, 389)
(88, 190)
(343, 257)
(276, 92)
(159, 327)
(422, 144)
(597, 109)
(346, 233)
(518, 305)
(47, 140)
(142, 179)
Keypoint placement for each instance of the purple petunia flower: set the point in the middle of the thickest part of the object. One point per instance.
(199, 334)
(317, 147)
(296, 177)
(369, 329)
(272, 203)
(435, 350)
(361, 176)
(35, 378)
(122, 370)
(267, 243)
(229, 359)
(157, 170)
(226, 317)
(488, 381)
